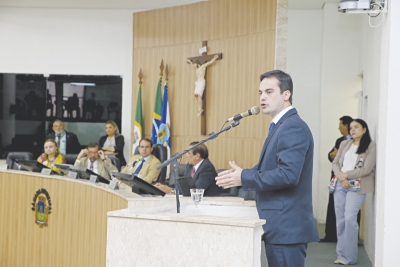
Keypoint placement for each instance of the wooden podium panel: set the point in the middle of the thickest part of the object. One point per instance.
(77, 226)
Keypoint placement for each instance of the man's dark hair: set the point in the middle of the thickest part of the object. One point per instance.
(201, 150)
(346, 120)
(93, 144)
(284, 79)
(146, 139)
(365, 139)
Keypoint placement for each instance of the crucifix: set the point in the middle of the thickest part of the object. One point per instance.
(201, 63)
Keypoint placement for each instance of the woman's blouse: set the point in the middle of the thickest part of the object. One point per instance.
(110, 142)
(59, 159)
(350, 159)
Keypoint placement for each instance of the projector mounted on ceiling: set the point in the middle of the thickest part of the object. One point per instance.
(361, 6)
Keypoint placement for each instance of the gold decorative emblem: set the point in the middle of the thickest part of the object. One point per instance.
(41, 205)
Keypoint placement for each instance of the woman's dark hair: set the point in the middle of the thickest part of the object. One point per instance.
(365, 139)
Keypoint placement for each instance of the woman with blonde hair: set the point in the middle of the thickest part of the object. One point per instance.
(354, 168)
(113, 142)
(51, 155)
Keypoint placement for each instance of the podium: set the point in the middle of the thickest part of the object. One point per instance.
(76, 230)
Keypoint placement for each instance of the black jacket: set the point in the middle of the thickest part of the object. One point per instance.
(73, 145)
(205, 178)
(118, 148)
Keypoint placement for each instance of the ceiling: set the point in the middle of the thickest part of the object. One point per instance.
(97, 4)
(136, 4)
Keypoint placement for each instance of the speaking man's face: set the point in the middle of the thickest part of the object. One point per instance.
(271, 100)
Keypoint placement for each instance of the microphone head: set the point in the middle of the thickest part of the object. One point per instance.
(140, 158)
(255, 110)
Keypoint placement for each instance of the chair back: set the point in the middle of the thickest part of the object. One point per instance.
(12, 156)
(115, 161)
(161, 152)
(70, 158)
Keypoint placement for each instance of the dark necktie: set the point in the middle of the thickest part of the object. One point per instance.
(271, 126)
(91, 165)
(139, 167)
(58, 140)
(193, 172)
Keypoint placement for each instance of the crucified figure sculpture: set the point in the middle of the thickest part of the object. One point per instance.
(200, 84)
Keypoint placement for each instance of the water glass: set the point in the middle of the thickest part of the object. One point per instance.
(197, 195)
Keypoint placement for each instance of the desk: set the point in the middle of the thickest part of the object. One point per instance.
(77, 227)
(219, 232)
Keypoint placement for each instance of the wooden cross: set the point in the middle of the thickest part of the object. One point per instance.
(203, 59)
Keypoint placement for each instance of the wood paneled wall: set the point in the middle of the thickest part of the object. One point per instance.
(244, 31)
(76, 234)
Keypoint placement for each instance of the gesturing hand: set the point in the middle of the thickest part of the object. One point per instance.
(230, 178)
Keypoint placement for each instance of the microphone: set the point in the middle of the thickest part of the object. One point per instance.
(253, 111)
(140, 158)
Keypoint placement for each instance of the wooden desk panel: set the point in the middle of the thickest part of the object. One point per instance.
(77, 226)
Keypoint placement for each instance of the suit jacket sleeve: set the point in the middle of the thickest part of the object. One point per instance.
(369, 163)
(290, 155)
(107, 167)
(337, 145)
(75, 145)
(119, 144)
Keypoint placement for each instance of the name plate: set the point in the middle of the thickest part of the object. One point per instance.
(72, 175)
(46, 171)
(113, 185)
(3, 166)
(94, 179)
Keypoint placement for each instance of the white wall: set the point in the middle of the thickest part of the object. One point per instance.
(70, 41)
(323, 58)
(303, 63)
(387, 181)
(370, 67)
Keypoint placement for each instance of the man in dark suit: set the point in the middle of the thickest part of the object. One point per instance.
(202, 171)
(330, 225)
(282, 178)
(67, 142)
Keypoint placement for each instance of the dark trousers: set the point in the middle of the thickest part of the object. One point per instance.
(291, 255)
(330, 226)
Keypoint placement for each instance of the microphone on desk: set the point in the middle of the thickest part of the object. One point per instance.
(253, 111)
(140, 158)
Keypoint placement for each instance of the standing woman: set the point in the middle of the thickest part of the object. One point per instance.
(354, 167)
(113, 143)
(51, 155)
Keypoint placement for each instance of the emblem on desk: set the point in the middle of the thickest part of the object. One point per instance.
(41, 205)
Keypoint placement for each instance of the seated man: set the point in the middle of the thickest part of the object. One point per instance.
(202, 171)
(95, 160)
(144, 164)
(67, 142)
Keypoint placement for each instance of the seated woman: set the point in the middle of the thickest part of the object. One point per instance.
(113, 142)
(51, 155)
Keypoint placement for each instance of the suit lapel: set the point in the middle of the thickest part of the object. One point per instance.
(274, 130)
(146, 165)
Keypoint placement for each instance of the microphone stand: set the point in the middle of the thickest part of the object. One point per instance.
(173, 161)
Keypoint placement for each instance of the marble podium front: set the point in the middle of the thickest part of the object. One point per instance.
(219, 232)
